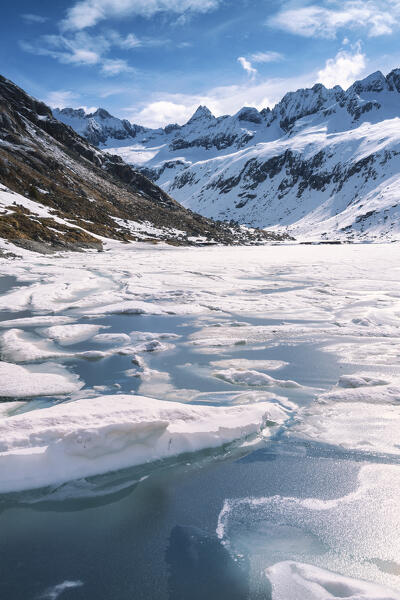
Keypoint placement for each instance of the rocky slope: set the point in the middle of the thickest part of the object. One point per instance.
(323, 163)
(59, 191)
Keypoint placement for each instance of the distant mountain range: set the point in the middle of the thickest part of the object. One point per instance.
(57, 191)
(323, 163)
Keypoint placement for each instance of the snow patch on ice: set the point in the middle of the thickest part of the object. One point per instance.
(256, 378)
(111, 338)
(66, 335)
(245, 363)
(47, 380)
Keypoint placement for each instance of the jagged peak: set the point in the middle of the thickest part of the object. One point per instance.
(102, 113)
(171, 127)
(375, 82)
(201, 113)
(70, 112)
(249, 113)
(393, 79)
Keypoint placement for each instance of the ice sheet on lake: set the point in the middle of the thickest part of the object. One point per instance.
(360, 413)
(299, 581)
(355, 535)
(98, 435)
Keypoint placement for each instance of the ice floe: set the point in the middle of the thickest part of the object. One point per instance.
(37, 321)
(66, 335)
(253, 378)
(98, 435)
(111, 338)
(245, 363)
(47, 380)
(360, 413)
(20, 346)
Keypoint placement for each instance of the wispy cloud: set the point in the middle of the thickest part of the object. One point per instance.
(258, 57)
(266, 57)
(32, 19)
(80, 50)
(344, 68)
(247, 66)
(87, 13)
(377, 17)
(83, 49)
(61, 98)
(111, 67)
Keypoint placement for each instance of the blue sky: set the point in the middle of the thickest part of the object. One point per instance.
(155, 61)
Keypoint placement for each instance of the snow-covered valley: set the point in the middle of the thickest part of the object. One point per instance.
(238, 403)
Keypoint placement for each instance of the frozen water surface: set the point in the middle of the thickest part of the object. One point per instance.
(201, 423)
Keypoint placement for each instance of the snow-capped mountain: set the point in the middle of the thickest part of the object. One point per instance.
(57, 191)
(322, 163)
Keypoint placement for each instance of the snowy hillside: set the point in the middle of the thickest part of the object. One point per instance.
(323, 163)
(57, 191)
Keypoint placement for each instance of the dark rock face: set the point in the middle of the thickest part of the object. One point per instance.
(251, 115)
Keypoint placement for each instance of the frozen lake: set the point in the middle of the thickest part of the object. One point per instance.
(267, 467)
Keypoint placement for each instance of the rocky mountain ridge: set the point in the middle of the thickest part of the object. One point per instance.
(322, 162)
(58, 191)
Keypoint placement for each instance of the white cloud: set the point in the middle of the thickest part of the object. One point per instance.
(83, 49)
(266, 57)
(343, 69)
(111, 67)
(247, 66)
(162, 112)
(66, 98)
(31, 19)
(161, 109)
(126, 43)
(87, 13)
(61, 98)
(131, 41)
(378, 17)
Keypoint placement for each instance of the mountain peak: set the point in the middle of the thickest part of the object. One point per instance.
(101, 113)
(69, 112)
(201, 113)
(249, 113)
(376, 82)
(393, 79)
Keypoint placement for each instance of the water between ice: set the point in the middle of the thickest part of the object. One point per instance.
(205, 525)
